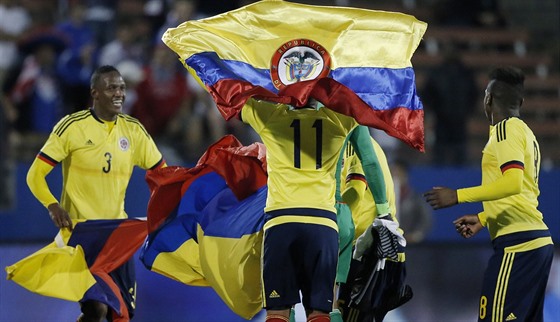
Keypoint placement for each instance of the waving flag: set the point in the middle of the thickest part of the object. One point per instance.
(76, 266)
(206, 223)
(355, 61)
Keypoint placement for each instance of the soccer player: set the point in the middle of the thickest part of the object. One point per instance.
(389, 289)
(361, 144)
(300, 233)
(517, 273)
(98, 148)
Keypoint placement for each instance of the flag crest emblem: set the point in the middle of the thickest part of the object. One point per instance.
(299, 60)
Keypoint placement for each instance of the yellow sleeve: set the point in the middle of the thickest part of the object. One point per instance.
(509, 184)
(256, 113)
(353, 193)
(482, 218)
(38, 184)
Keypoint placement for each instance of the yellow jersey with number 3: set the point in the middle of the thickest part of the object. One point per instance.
(512, 144)
(97, 162)
(303, 146)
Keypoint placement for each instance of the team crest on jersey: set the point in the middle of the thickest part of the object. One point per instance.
(299, 60)
(124, 144)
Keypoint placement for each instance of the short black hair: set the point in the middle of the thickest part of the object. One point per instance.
(100, 71)
(509, 75)
(508, 86)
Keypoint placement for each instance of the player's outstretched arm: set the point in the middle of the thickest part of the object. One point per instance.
(361, 141)
(468, 225)
(441, 197)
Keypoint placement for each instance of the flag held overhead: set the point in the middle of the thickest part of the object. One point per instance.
(355, 61)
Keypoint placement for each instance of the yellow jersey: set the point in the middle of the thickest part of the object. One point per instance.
(303, 147)
(512, 144)
(97, 162)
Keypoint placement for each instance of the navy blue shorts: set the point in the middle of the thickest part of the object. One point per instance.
(516, 277)
(299, 257)
(125, 278)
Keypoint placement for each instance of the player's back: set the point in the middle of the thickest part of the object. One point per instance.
(303, 146)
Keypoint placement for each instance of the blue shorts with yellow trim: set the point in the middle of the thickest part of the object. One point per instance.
(300, 253)
(516, 277)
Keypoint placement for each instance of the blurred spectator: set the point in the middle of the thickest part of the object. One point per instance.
(205, 124)
(414, 217)
(123, 47)
(14, 21)
(164, 99)
(33, 88)
(214, 7)
(76, 30)
(133, 75)
(6, 163)
(450, 94)
(181, 11)
(78, 61)
(155, 12)
(100, 16)
(389, 144)
(471, 13)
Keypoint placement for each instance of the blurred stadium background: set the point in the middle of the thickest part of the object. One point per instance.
(444, 271)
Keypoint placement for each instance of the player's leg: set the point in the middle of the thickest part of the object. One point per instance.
(93, 311)
(319, 257)
(280, 289)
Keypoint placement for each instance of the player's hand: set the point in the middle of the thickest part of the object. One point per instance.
(441, 197)
(60, 216)
(468, 225)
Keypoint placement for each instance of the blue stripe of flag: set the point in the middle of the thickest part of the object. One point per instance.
(393, 87)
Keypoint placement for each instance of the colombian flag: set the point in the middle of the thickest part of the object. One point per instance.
(354, 61)
(76, 266)
(205, 223)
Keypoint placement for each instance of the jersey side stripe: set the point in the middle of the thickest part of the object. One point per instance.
(135, 121)
(69, 119)
(501, 131)
(349, 150)
(67, 124)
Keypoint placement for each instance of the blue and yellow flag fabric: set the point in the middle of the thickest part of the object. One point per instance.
(76, 266)
(354, 61)
(205, 223)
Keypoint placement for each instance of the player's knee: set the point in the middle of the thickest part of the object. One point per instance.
(94, 311)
